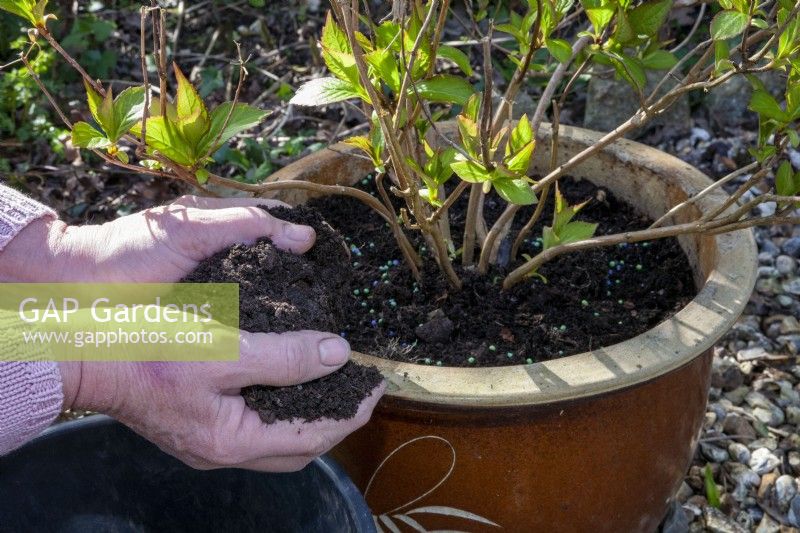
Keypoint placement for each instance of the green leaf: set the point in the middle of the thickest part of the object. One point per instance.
(85, 136)
(202, 175)
(376, 138)
(624, 32)
(784, 180)
(472, 107)
(564, 213)
(431, 196)
(163, 136)
(128, 110)
(793, 97)
(510, 29)
(39, 14)
(365, 145)
(21, 8)
(458, 57)
(102, 109)
(712, 493)
(521, 135)
(571, 232)
(441, 170)
(647, 18)
(659, 60)
(600, 17)
(577, 231)
(629, 69)
(444, 88)
(722, 53)
(323, 91)
(788, 42)
(515, 191)
(559, 49)
(361, 143)
(122, 156)
(728, 24)
(468, 129)
(106, 113)
(470, 172)
(243, 117)
(187, 102)
(549, 238)
(387, 35)
(423, 58)
(599, 14)
(385, 65)
(520, 161)
(764, 104)
(192, 115)
(342, 65)
(333, 37)
(794, 137)
(30, 10)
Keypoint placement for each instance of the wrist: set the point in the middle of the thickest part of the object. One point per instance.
(46, 250)
(70, 382)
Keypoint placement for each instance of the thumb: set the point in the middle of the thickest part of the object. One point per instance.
(208, 231)
(282, 359)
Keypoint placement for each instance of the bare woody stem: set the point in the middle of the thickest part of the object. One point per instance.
(38, 81)
(555, 81)
(408, 184)
(262, 188)
(751, 182)
(160, 52)
(474, 207)
(412, 58)
(643, 115)
(486, 103)
(702, 194)
(237, 93)
(470, 224)
(145, 77)
(448, 203)
(44, 32)
(713, 227)
(502, 225)
(639, 118)
(502, 113)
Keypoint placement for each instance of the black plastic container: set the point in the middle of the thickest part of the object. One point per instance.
(95, 474)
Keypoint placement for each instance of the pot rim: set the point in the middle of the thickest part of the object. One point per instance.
(666, 347)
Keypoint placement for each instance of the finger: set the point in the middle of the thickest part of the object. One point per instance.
(203, 202)
(203, 232)
(281, 359)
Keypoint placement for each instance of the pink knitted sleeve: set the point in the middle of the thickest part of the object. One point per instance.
(31, 393)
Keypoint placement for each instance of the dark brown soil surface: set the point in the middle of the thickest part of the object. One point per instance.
(335, 396)
(591, 299)
(280, 291)
(366, 294)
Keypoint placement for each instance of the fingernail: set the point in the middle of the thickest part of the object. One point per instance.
(334, 351)
(297, 233)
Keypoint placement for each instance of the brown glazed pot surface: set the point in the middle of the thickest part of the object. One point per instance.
(597, 441)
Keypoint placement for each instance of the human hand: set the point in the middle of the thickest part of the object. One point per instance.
(192, 410)
(157, 245)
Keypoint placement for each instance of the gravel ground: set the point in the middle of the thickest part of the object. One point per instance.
(750, 441)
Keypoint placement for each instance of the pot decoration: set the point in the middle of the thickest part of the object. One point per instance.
(597, 441)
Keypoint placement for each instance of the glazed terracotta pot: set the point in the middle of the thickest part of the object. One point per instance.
(597, 441)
